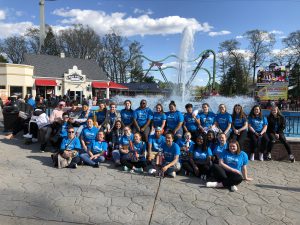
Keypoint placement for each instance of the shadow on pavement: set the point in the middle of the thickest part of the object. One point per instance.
(46, 160)
(278, 187)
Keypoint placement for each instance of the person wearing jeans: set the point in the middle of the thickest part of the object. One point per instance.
(276, 126)
(97, 153)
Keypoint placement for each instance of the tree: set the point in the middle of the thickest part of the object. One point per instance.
(292, 44)
(50, 46)
(33, 41)
(260, 45)
(14, 47)
(3, 59)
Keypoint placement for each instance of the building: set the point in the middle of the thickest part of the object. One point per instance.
(48, 75)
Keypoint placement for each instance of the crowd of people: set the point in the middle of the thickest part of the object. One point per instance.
(204, 144)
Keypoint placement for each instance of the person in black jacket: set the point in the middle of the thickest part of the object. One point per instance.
(276, 126)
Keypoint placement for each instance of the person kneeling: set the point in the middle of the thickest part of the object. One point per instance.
(232, 168)
(96, 155)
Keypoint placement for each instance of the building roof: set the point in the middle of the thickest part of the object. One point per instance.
(55, 66)
(145, 87)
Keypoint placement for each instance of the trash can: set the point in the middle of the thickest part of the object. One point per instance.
(10, 115)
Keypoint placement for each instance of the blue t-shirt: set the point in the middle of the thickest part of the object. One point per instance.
(142, 116)
(98, 147)
(158, 119)
(100, 115)
(170, 152)
(124, 140)
(223, 119)
(182, 142)
(156, 142)
(190, 122)
(140, 148)
(257, 123)
(239, 122)
(212, 145)
(235, 161)
(198, 154)
(173, 118)
(207, 120)
(127, 116)
(74, 144)
(64, 130)
(218, 151)
(89, 134)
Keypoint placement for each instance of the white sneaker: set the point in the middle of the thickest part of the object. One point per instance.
(131, 171)
(252, 157)
(292, 158)
(125, 168)
(27, 135)
(173, 174)
(152, 171)
(211, 184)
(261, 157)
(233, 188)
(34, 140)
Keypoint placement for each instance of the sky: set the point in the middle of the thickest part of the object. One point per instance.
(158, 24)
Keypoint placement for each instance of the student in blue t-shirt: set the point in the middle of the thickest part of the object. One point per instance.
(207, 118)
(174, 121)
(239, 125)
(185, 144)
(211, 140)
(88, 135)
(136, 160)
(70, 148)
(127, 114)
(101, 115)
(220, 148)
(97, 153)
(223, 120)
(171, 153)
(155, 142)
(159, 118)
(257, 124)
(199, 159)
(142, 120)
(191, 121)
(232, 168)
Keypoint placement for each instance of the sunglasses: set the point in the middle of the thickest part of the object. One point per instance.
(70, 132)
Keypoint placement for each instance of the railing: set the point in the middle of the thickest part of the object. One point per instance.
(292, 120)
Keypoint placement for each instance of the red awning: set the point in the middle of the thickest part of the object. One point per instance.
(108, 84)
(44, 82)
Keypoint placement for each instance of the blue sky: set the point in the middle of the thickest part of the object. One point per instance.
(158, 24)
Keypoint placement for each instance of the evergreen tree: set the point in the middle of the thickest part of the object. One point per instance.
(3, 59)
(50, 46)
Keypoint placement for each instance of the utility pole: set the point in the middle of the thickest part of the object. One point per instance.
(42, 24)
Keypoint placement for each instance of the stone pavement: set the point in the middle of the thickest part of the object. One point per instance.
(33, 192)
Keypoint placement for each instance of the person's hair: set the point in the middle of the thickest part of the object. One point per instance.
(203, 146)
(138, 133)
(237, 145)
(90, 118)
(278, 112)
(118, 121)
(189, 105)
(162, 108)
(224, 107)
(188, 133)
(241, 115)
(65, 114)
(127, 127)
(74, 103)
(70, 127)
(169, 133)
(252, 112)
(127, 100)
(219, 134)
(112, 103)
(100, 131)
(143, 100)
(211, 132)
(205, 104)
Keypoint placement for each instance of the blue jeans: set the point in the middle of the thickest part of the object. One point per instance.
(86, 159)
(116, 155)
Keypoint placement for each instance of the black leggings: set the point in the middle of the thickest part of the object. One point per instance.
(227, 178)
(130, 165)
(240, 138)
(19, 125)
(203, 168)
(282, 139)
(255, 142)
(34, 129)
(75, 160)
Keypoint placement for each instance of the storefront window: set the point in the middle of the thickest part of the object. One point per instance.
(28, 90)
(16, 90)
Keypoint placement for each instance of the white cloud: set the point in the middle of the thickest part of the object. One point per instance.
(281, 37)
(283, 52)
(2, 14)
(219, 33)
(142, 11)
(239, 37)
(9, 29)
(127, 25)
(279, 32)
(19, 13)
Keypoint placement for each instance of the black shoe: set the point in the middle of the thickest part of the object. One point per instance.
(96, 165)
(269, 157)
(43, 147)
(75, 166)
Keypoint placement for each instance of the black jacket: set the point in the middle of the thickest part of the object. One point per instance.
(280, 120)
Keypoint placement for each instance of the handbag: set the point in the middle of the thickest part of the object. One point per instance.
(133, 155)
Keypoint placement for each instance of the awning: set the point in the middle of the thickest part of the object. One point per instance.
(108, 84)
(45, 82)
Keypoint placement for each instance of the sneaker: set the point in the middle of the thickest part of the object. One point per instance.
(34, 140)
(27, 135)
(117, 163)
(269, 156)
(75, 166)
(173, 174)
(152, 171)
(96, 165)
(139, 170)
(125, 168)
(261, 157)
(292, 158)
(211, 184)
(233, 188)
(43, 147)
(252, 157)
(131, 171)
(203, 177)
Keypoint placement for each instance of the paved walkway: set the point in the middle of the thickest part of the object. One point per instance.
(33, 192)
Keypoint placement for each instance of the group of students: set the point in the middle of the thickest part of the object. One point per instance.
(202, 143)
